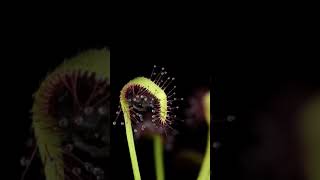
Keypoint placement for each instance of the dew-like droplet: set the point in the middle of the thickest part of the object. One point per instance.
(88, 166)
(103, 110)
(88, 110)
(216, 145)
(24, 161)
(231, 118)
(63, 123)
(76, 171)
(96, 135)
(78, 120)
(97, 171)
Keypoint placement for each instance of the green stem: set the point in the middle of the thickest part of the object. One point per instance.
(158, 155)
(205, 167)
(132, 150)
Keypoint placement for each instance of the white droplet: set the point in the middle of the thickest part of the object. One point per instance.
(24, 161)
(63, 123)
(216, 145)
(103, 110)
(97, 171)
(88, 110)
(122, 123)
(78, 120)
(76, 171)
(231, 118)
(88, 166)
(135, 130)
(114, 122)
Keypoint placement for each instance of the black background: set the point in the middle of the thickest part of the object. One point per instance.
(248, 63)
(34, 54)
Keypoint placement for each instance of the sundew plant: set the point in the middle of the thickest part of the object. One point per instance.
(154, 99)
(70, 118)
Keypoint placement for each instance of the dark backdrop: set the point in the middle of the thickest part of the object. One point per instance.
(249, 67)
